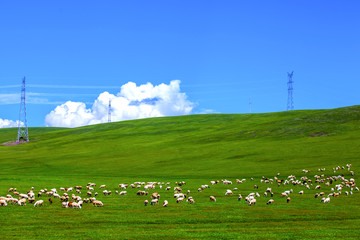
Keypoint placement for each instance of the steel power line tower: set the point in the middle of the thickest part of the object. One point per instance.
(109, 111)
(290, 101)
(22, 134)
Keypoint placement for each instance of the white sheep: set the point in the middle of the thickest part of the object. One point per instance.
(228, 192)
(252, 202)
(154, 201)
(39, 203)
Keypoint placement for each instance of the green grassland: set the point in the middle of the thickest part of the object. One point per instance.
(195, 149)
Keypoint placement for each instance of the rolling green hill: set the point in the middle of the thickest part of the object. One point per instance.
(196, 149)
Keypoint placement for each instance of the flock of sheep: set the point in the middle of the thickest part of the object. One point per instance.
(70, 197)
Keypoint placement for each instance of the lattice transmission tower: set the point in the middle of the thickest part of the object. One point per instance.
(22, 134)
(290, 101)
(109, 111)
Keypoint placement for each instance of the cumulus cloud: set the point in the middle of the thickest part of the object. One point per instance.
(132, 102)
(5, 123)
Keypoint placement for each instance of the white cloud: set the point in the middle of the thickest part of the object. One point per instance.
(132, 102)
(5, 123)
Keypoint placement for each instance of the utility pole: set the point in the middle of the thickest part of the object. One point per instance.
(109, 111)
(22, 134)
(290, 101)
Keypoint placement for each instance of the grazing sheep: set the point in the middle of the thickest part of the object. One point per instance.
(22, 202)
(288, 199)
(165, 203)
(39, 203)
(3, 203)
(212, 198)
(102, 186)
(23, 196)
(271, 201)
(154, 201)
(155, 195)
(180, 199)
(123, 193)
(97, 203)
(228, 192)
(252, 202)
(146, 202)
(140, 193)
(75, 205)
(301, 192)
(325, 200)
(50, 201)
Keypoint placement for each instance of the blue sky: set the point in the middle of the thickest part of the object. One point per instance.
(223, 52)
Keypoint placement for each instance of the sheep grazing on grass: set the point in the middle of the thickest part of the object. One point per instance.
(180, 199)
(140, 193)
(190, 200)
(123, 193)
(65, 204)
(97, 203)
(165, 204)
(325, 200)
(102, 186)
(252, 202)
(39, 203)
(240, 197)
(75, 205)
(3, 203)
(288, 199)
(22, 202)
(271, 201)
(154, 201)
(155, 195)
(212, 198)
(228, 192)
(146, 202)
(301, 192)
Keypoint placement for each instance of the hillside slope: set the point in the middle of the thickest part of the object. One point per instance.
(223, 145)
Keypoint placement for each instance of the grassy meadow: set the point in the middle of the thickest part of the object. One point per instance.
(195, 149)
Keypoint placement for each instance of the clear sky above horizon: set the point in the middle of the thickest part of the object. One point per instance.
(223, 53)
